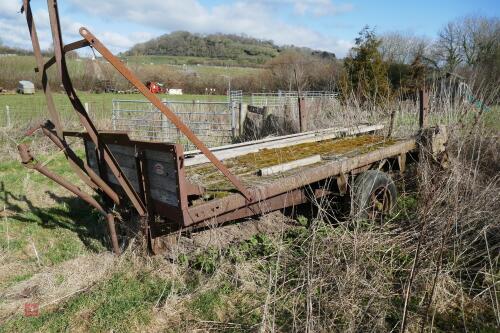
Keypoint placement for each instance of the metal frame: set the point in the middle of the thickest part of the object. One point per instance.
(105, 155)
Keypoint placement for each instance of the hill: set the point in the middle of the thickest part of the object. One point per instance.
(213, 48)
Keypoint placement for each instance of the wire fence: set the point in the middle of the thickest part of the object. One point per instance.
(213, 122)
(281, 98)
(235, 96)
(22, 115)
(216, 122)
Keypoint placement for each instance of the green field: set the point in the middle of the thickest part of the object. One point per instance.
(104, 98)
(16, 68)
(228, 67)
(194, 65)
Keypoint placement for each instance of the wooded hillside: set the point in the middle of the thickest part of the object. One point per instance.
(245, 50)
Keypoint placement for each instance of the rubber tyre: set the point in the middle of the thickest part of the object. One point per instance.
(374, 196)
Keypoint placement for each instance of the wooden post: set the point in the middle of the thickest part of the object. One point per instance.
(242, 110)
(114, 113)
(164, 125)
(302, 114)
(265, 112)
(423, 109)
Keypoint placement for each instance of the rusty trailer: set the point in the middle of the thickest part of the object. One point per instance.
(173, 191)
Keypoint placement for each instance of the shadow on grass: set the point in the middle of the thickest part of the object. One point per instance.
(69, 213)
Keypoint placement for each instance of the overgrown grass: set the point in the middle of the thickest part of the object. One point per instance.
(42, 223)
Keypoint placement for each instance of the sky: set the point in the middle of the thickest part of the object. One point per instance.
(319, 24)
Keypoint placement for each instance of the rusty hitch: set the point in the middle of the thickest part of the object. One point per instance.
(29, 161)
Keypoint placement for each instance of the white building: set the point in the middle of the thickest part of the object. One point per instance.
(175, 91)
(26, 87)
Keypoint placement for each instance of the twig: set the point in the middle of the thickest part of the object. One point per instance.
(36, 252)
(65, 296)
(161, 295)
(410, 282)
(6, 227)
(497, 314)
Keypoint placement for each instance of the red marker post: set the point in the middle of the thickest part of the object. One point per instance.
(31, 310)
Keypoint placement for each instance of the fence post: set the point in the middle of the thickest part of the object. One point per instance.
(302, 114)
(87, 108)
(423, 109)
(164, 124)
(242, 109)
(233, 118)
(7, 112)
(114, 113)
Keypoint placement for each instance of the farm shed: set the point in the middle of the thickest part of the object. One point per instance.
(26, 87)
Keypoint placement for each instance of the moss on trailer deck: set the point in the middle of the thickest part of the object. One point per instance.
(247, 166)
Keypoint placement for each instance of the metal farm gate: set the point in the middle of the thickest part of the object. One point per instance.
(213, 122)
(281, 98)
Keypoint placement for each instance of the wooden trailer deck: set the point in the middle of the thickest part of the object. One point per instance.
(247, 167)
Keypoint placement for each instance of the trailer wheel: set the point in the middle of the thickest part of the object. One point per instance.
(374, 195)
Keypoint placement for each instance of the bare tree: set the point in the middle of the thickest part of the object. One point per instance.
(402, 48)
(446, 51)
(290, 68)
(465, 42)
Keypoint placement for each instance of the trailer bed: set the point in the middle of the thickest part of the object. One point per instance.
(247, 167)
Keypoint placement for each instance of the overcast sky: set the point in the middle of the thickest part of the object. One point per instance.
(319, 24)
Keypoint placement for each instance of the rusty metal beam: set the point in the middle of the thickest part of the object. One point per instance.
(84, 117)
(423, 109)
(67, 48)
(41, 68)
(120, 67)
(58, 138)
(281, 201)
(81, 165)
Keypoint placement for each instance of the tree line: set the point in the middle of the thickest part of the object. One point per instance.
(396, 64)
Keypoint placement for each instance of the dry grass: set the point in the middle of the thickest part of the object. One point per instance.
(53, 285)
